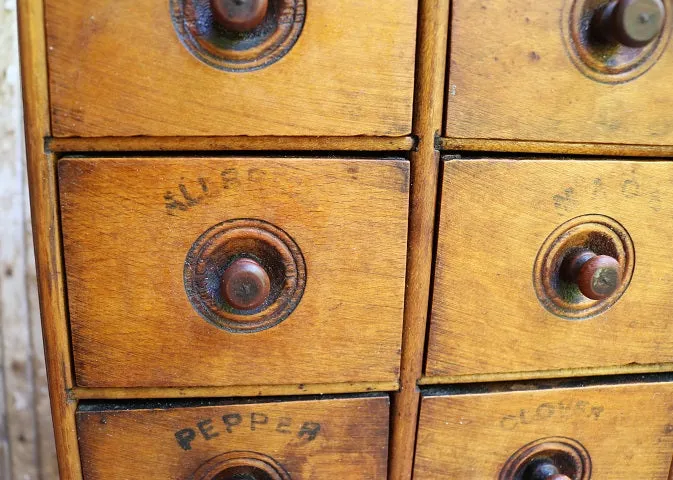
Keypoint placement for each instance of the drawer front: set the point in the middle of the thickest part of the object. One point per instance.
(322, 67)
(202, 272)
(536, 77)
(607, 433)
(504, 300)
(286, 440)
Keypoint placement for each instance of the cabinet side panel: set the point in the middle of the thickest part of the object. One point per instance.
(46, 233)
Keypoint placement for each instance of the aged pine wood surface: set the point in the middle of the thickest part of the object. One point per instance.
(433, 33)
(563, 148)
(495, 216)
(121, 71)
(98, 393)
(519, 83)
(128, 224)
(41, 168)
(165, 144)
(26, 435)
(626, 430)
(310, 439)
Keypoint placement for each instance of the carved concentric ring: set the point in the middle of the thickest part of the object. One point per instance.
(200, 33)
(272, 248)
(568, 455)
(607, 63)
(603, 236)
(234, 465)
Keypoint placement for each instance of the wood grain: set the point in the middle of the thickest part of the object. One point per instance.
(83, 393)
(433, 35)
(46, 449)
(518, 82)
(350, 442)
(46, 233)
(626, 429)
(486, 317)
(559, 148)
(165, 144)
(127, 230)
(547, 374)
(120, 70)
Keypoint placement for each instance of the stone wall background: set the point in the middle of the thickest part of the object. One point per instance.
(26, 437)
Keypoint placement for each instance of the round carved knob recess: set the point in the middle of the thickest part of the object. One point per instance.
(555, 458)
(241, 466)
(597, 276)
(239, 15)
(245, 285)
(242, 473)
(632, 23)
(244, 275)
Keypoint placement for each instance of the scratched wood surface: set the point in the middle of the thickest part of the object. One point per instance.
(519, 83)
(129, 223)
(26, 435)
(122, 71)
(310, 439)
(495, 216)
(626, 430)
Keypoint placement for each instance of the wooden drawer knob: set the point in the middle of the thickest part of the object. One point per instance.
(597, 276)
(239, 15)
(245, 284)
(244, 275)
(546, 471)
(632, 23)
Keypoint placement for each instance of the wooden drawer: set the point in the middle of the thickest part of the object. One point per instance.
(615, 432)
(503, 306)
(279, 440)
(322, 67)
(151, 251)
(535, 76)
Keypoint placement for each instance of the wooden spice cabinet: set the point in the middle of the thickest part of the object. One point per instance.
(312, 239)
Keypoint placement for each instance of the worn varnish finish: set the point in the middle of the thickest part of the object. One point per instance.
(519, 82)
(166, 144)
(311, 439)
(123, 83)
(82, 393)
(120, 70)
(433, 27)
(486, 317)
(564, 148)
(46, 234)
(129, 223)
(626, 430)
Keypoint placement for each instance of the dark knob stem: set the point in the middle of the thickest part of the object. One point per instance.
(239, 15)
(245, 285)
(632, 23)
(597, 276)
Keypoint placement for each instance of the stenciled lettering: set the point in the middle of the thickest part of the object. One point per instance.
(208, 429)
